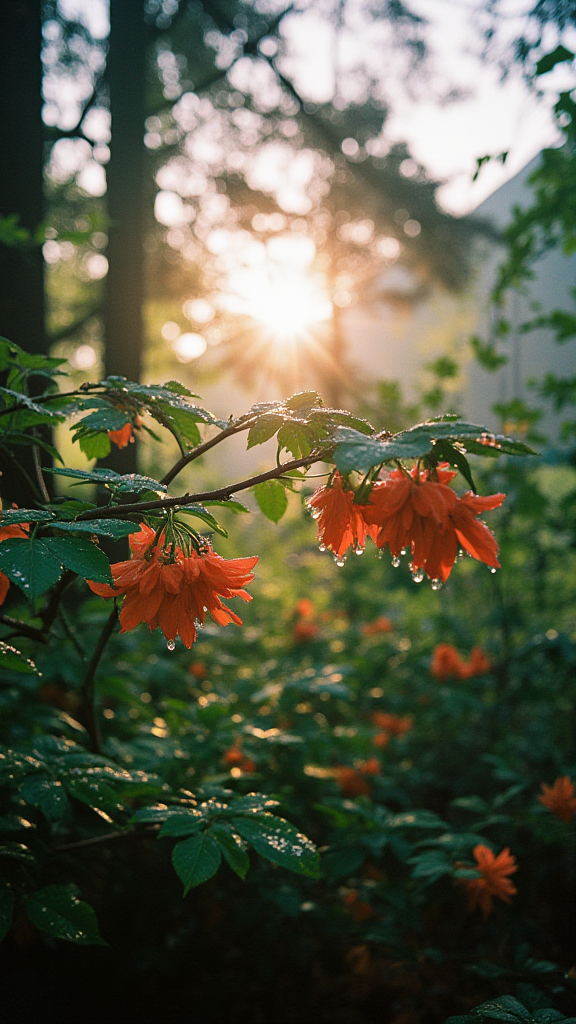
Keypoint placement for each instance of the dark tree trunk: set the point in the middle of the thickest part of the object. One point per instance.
(21, 172)
(124, 296)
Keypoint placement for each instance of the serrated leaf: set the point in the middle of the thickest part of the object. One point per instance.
(93, 793)
(448, 453)
(13, 660)
(115, 528)
(271, 499)
(505, 1008)
(233, 849)
(296, 438)
(178, 389)
(56, 910)
(11, 516)
(303, 402)
(106, 417)
(196, 860)
(279, 841)
(81, 556)
(128, 483)
(264, 428)
(355, 451)
(46, 794)
(201, 513)
(7, 902)
(95, 446)
(233, 506)
(30, 565)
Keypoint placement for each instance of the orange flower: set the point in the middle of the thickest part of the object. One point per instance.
(446, 662)
(351, 782)
(392, 724)
(233, 756)
(477, 665)
(121, 437)
(360, 910)
(493, 880)
(427, 517)
(381, 740)
(560, 798)
(175, 595)
(341, 523)
(304, 631)
(198, 670)
(370, 767)
(305, 608)
(18, 530)
(380, 625)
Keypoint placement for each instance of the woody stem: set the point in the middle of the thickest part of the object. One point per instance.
(202, 448)
(221, 494)
(88, 691)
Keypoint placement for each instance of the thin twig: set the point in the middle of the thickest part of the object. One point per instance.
(21, 628)
(50, 611)
(221, 494)
(201, 449)
(88, 684)
(107, 837)
(39, 473)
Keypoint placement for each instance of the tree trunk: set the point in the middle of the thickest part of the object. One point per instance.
(124, 294)
(21, 174)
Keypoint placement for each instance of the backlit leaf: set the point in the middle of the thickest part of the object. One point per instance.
(196, 860)
(56, 910)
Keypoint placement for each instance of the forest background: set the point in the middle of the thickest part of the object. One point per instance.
(112, 230)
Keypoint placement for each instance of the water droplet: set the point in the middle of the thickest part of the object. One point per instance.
(460, 553)
(437, 584)
(340, 560)
(403, 551)
(358, 550)
(322, 547)
(396, 561)
(171, 645)
(418, 575)
(492, 570)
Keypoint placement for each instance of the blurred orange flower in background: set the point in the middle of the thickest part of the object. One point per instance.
(360, 910)
(341, 523)
(305, 608)
(303, 631)
(351, 782)
(198, 670)
(560, 798)
(447, 663)
(175, 595)
(237, 759)
(380, 625)
(393, 724)
(493, 880)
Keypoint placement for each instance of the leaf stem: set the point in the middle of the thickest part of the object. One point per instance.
(88, 691)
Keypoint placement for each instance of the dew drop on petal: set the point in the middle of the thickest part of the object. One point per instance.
(340, 560)
(492, 570)
(171, 645)
(396, 561)
(358, 550)
(418, 575)
(403, 551)
(437, 584)
(322, 547)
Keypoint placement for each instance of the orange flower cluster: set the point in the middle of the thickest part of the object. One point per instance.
(493, 879)
(389, 725)
(175, 595)
(427, 518)
(560, 798)
(380, 625)
(408, 512)
(352, 781)
(18, 530)
(447, 663)
(198, 670)
(237, 759)
(341, 523)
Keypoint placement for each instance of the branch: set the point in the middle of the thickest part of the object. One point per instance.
(88, 684)
(150, 830)
(50, 611)
(222, 494)
(202, 448)
(21, 628)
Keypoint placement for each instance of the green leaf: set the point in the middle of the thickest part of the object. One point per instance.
(233, 506)
(279, 841)
(446, 452)
(296, 438)
(196, 860)
(14, 765)
(30, 565)
(106, 417)
(56, 910)
(115, 528)
(178, 389)
(272, 499)
(550, 60)
(46, 794)
(232, 847)
(93, 793)
(81, 556)
(201, 513)
(7, 902)
(354, 451)
(264, 428)
(95, 446)
(131, 483)
(13, 660)
(186, 823)
(24, 515)
(487, 355)
(303, 402)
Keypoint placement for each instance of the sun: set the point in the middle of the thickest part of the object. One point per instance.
(289, 303)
